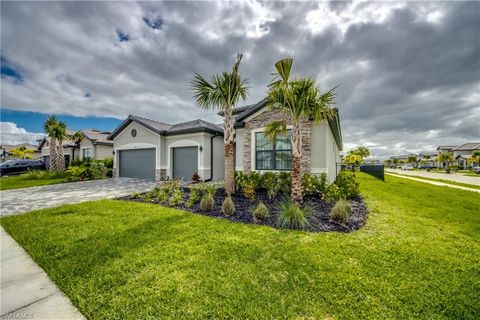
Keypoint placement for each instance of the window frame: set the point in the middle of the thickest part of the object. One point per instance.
(90, 152)
(272, 152)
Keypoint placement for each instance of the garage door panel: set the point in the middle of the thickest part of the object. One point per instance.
(138, 163)
(185, 162)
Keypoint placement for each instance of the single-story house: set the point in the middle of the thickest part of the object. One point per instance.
(94, 145)
(5, 153)
(150, 149)
(441, 150)
(146, 148)
(463, 152)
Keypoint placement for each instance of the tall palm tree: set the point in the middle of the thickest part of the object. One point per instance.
(22, 152)
(77, 137)
(222, 92)
(446, 158)
(301, 100)
(57, 131)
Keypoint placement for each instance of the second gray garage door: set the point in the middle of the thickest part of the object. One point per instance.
(138, 163)
(185, 162)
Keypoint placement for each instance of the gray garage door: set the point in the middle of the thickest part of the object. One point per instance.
(185, 162)
(138, 163)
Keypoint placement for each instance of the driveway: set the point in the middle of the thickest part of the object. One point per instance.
(455, 177)
(22, 200)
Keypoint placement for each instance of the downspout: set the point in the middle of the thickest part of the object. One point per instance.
(211, 156)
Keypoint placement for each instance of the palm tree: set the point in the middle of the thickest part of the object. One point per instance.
(447, 158)
(57, 131)
(299, 99)
(77, 137)
(222, 92)
(22, 152)
(474, 158)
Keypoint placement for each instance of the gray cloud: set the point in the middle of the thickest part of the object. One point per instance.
(408, 72)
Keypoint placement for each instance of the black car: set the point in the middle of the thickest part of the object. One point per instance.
(12, 167)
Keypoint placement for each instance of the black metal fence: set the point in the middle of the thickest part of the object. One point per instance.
(374, 170)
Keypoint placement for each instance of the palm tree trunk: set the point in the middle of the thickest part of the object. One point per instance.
(53, 155)
(61, 158)
(228, 141)
(296, 193)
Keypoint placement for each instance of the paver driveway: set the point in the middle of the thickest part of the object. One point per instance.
(19, 201)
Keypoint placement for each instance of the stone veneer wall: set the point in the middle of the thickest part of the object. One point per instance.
(261, 121)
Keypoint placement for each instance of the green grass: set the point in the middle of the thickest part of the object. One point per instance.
(417, 258)
(468, 185)
(24, 181)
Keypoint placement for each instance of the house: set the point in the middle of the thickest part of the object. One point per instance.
(427, 156)
(146, 148)
(321, 143)
(6, 155)
(403, 158)
(441, 150)
(150, 149)
(93, 145)
(463, 152)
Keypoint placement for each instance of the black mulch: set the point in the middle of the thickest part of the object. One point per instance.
(319, 217)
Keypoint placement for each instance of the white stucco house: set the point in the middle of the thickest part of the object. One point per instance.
(462, 153)
(151, 149)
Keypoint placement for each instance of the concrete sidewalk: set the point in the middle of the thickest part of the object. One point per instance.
(26, 291)
(454, 177)
(442, 184)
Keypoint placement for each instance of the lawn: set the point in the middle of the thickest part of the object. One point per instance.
(417, 257)
(468, 185)
(25, 181)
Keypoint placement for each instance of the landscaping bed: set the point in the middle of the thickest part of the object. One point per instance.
(317, 208)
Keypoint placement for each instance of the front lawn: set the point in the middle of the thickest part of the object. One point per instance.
(416, 257)
(25, 181)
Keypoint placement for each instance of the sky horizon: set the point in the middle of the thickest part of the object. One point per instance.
(407, 71)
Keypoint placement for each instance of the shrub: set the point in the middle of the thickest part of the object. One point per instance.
(171, 186)
(341, 211)
(347, 184)
(285, 180)
(271, 183)
(332, 193)
(253, 178)
(240, 179)
(207, 202)
(76, 173)
(44, 175)
(211, 189)
(176, 197)
(322, 183)
(261, 212)
(291, 216)
(96, 170)
(162, 195)
(309, 185)
(135, 195)
(249, 191)
(228, 207)
(195, 177)
(194, 197)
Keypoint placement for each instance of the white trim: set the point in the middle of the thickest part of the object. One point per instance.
(253, 153)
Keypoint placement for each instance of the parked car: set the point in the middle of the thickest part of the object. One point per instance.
(12, 167)
(407, 166)
(476, 170)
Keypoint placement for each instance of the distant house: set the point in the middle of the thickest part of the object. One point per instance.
(403, 157)
(427, 156)
(94, 145)
(463, 152)
(441, 150)
(5, 153)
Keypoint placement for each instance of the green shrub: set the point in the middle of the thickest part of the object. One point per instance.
(206, 188)
(332, 193)
(322, 183)
(228, 207)
(261, 212)
(341, 211)
(347, 184)
(76, 173)
(285, 179)
(194, 197)
(176, 197)
(240, 179)
(249, 191)
(271, 183)
(135, 195)
(171, 185)
(309, 186)
(96, 170)
(162, 195)
(44, 175)
(207, 202)
(291, 216)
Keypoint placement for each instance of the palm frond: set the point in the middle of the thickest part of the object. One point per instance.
(283, 68)
(275, 128)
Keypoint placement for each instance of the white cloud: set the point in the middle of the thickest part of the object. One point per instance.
(10, 133)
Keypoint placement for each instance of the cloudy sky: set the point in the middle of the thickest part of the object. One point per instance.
(409, 73)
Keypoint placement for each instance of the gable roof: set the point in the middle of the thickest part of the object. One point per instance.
(446, 147)
(334, 123)
(468, 147)
(97, 137)
(163, 128)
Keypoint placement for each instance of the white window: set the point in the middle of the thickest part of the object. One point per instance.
(87, 153)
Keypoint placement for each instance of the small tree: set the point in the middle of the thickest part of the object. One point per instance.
(22, 152)
(446, 158)
(412, 159)
(363, 152)
(352, 159)
(474, 158)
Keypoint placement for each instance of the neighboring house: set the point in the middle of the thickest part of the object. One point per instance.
(150, 149)
(6, 155)
(463, 152)
(321, 144)
(441, 150)
(94, 145)
(403, 157)
(428, 157)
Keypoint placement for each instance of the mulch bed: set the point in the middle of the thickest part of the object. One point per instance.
(319, 210)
